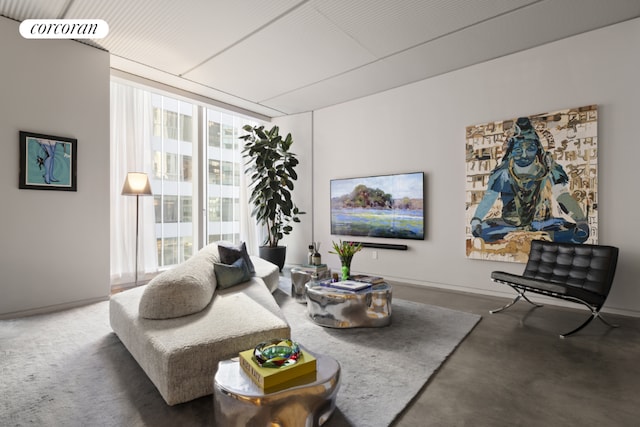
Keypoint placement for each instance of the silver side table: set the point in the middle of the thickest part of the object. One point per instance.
(240, 402)
(299, 278)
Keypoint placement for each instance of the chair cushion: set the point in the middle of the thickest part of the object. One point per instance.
(516, 280)
(587, 267)
(185, 289)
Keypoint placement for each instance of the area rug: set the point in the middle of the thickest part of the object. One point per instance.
(383, 368)
(70, 369)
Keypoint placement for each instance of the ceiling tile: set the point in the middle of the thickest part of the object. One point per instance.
(176, 36)
(131, 70)
(385, 27)
(32, 9)
(352, 85)
(534, 25)
(288, 56)
(300, 49)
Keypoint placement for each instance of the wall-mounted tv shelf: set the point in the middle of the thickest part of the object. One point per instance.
(382, 246)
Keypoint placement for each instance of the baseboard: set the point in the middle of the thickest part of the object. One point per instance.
(51, 308)
(126, 286)
(510, 295)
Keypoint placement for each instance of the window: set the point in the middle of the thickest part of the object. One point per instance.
(188, 190)
(228, 169)
(172, 183)
(213, 133)
(224, 160)
(174, 152)
(172, 124)
(214, 171)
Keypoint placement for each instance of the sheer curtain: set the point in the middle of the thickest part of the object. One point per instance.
(249, 230)
(131, 121)
(133, 147)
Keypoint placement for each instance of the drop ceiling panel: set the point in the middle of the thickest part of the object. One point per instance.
(534, 26)
(460, 49)
(355, 84)
(300, 49)
(288, 56)
(32, 9)
(133, 69)
(175, 36)
(385, 27)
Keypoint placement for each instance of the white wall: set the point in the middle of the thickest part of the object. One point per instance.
(300, 127)
(421, 127)
(54, 244)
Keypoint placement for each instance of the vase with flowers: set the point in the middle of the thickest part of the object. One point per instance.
(345, 251)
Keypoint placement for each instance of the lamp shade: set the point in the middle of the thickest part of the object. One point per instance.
(136, 184)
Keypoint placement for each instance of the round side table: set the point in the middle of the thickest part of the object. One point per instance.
(238, 401)
(299, 279)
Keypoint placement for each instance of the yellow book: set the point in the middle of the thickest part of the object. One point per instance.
(274, 379)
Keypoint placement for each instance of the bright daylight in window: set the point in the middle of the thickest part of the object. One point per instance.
(174, 147)
(195, 173)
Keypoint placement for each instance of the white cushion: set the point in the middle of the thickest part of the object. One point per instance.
(185, 289)
(269, 272)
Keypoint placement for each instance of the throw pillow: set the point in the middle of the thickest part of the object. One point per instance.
(231, 275)
(185, 289)
(230, 254)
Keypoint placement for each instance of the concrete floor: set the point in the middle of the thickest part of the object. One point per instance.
(514, 370)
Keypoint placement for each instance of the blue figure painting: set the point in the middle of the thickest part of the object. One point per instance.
(51, 162)
(528, 192)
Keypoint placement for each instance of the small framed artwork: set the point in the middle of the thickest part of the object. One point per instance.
(48, 162)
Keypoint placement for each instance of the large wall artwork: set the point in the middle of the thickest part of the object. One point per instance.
(531, 178)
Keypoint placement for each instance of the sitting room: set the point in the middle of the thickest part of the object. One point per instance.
(437, 139)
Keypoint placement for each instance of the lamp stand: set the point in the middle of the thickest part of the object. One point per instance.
(137, 220)
(137, 184)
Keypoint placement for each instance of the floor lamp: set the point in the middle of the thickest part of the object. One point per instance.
(136, 184)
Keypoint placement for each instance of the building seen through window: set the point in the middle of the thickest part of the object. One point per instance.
(175, 181)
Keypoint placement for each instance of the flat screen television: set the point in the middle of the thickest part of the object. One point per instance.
(388, 206)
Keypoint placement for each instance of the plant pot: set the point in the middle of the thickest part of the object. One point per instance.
(346, 267)
(275, 255)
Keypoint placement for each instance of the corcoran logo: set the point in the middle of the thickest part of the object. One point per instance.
(64, 29)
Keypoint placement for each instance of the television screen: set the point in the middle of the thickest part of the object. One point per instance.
(390, 206)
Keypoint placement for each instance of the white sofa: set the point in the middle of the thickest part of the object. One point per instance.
(180, 354)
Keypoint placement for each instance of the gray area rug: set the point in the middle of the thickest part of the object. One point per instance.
(70, 369)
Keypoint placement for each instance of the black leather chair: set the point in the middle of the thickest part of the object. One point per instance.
(579, 273)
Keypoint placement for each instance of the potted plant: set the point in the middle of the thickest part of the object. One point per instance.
(345, 251)
(271, 168)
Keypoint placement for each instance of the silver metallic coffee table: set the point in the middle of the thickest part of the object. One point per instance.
(240, 402)
(336, 308)
(299, 278)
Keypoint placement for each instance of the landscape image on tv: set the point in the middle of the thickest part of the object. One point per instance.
(390, 206)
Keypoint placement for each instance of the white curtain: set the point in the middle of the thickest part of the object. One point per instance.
(250, 232)
(131, 122)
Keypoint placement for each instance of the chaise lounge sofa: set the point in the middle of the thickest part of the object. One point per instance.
(187, 319)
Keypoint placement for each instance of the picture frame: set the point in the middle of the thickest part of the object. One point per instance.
(531, 178)
(385, 206)
(48, 162)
